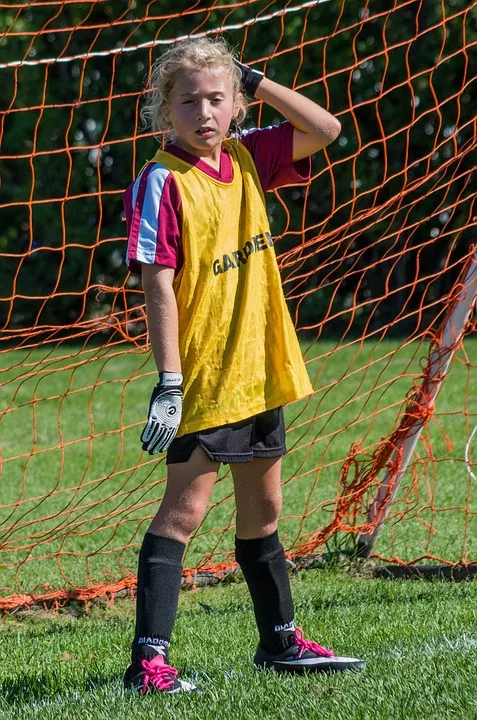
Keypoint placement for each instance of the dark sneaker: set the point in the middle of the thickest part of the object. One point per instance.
(156, 676)
(305, 655)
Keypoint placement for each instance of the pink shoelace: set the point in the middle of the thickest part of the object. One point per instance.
(157, 673)
(305, 645)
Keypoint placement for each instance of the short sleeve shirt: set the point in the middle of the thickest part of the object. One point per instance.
(153, 205)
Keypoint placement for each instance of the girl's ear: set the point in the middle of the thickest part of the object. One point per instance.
(238, 102)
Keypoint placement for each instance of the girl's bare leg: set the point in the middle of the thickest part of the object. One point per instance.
(187, 495)
(258, 496)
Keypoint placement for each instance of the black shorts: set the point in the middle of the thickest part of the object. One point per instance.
(260, 436)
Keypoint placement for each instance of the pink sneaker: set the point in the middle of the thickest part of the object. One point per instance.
(302, 655)
(155, 676)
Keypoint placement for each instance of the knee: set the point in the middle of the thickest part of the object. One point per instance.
(179, 521)
(269, 509)
(188, 518)
(259, 517)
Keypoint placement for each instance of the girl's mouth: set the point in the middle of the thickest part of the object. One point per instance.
(205, 132)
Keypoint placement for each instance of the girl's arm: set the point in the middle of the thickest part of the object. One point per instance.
(162, 316)
(315, 128)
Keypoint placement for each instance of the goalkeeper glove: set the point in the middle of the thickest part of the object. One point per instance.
(165, 411)
(251, 79)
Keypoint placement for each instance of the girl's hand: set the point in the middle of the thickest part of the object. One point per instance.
(251, 79)
(165, 411)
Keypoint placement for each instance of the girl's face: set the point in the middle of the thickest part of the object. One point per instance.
(201, 108)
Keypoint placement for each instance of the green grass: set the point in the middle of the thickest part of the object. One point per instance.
(419, 640)
(77, 493)
(76, 502)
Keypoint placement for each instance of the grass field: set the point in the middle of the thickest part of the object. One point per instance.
(76, 495)
(77, 492)
(419, 639)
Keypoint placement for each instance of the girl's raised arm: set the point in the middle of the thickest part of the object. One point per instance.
(315, 127)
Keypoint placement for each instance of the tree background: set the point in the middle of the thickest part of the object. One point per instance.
(373, 244)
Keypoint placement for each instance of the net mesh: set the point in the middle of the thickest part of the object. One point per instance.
(372, 253)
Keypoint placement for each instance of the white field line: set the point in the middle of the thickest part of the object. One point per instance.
(467, 453)
(154, 43)
(58, 701)
(461, 643)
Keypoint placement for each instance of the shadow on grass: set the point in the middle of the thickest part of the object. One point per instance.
(378, 600)
(316, 604)
(52, 688)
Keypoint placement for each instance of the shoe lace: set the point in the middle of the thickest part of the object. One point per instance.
(305, 645)
(158, 674)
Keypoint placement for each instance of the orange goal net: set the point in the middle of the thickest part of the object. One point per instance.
(378, 262)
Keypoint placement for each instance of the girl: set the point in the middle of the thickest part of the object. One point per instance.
(223, 341)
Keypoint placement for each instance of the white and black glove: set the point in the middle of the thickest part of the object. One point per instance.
(165, 412)
(251, 79)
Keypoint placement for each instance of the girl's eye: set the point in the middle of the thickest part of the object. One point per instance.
(190, 101)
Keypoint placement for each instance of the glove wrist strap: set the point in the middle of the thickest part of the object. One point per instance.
(170, 379)
(251, 78)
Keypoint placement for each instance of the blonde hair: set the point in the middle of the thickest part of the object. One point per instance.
(186, 55)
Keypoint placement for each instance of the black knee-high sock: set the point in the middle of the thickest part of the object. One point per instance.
(264, 566)
(158, 584)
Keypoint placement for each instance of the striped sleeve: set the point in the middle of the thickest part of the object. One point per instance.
(153, 218)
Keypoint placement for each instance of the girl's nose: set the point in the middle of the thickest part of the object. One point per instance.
(203, 110)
